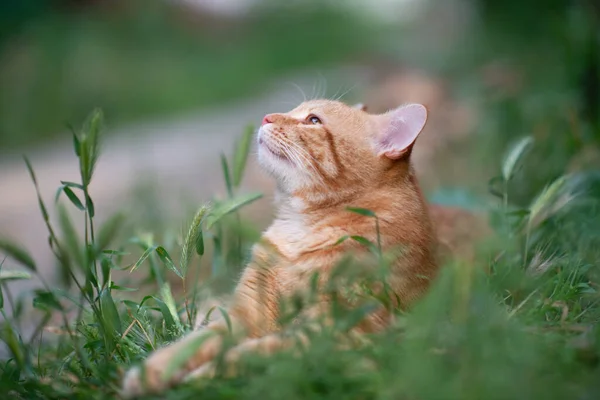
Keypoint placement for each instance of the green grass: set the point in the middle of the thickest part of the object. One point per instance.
(520, 324)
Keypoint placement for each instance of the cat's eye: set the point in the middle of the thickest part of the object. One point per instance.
(313, 119)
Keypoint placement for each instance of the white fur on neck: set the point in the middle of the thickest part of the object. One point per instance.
(292, 233)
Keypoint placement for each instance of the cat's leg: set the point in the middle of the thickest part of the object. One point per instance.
(316, 317)
(203, 344)
(264, 346)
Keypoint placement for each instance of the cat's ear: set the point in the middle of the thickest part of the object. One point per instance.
(398, 129)
(360, 106)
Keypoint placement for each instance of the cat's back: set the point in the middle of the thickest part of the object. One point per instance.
(458, 231)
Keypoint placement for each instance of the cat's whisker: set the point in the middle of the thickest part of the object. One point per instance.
(299, 90)
(314, 91)
(292, 154)
(324, 80)
(308, 158)
(337, 98)
(297, 149)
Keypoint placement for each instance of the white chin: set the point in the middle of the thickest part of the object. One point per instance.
(287, 177)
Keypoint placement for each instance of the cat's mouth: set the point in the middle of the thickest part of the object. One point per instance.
(277, 154)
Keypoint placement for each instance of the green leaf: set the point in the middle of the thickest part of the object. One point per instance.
(122, 288)
(362, 240)
(226, 175)
(361, 211)
(110, 315)
(72, 184)
(229, 206)
(90, 206)
(514, 155)
(14, 275)
(225, 315)
(166, 259)
(167, 297)
(14, 344)
(105, 266)
(109, 320)
(143, 257)
(200, 244)
(90, 146)
(76, 143)
(72, 196)
(37, 190)
(240, 156)
(365, 242)
(46, 301)
(70, 237)
(341, 240)
(17, 253)
(171, 325)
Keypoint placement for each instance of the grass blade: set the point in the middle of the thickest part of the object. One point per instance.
(37, 190)
(167, 297)
(240, 156)
(110, 320)
(14, 344)
(47, 301)
(226, 175)
(229, 206)
(73, 197)
(18, 254)
(14, 275)
(172, 328)
(166, 259)
(514, 155)
(361, 211)
(90, 146)
(71, 238)
(143, 257)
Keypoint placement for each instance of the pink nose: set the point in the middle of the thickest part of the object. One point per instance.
(267, 119)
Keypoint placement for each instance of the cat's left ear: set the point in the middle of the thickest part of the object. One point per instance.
(398, 129)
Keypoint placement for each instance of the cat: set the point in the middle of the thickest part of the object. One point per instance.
(325, 156)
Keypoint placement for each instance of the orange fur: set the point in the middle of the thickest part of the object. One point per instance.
(322, 166)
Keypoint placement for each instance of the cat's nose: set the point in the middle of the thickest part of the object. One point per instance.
(267, 119)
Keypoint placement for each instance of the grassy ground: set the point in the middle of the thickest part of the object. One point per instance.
(520, 323)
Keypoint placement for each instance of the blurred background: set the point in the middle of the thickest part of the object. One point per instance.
(179, 80)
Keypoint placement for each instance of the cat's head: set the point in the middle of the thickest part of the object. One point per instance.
(326, 144)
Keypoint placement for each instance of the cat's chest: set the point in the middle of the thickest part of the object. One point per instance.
(294, 238)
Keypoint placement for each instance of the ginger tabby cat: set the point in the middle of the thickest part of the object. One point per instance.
(324, 156)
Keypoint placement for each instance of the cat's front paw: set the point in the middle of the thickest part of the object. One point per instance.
(147, 379)
(132, 383)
